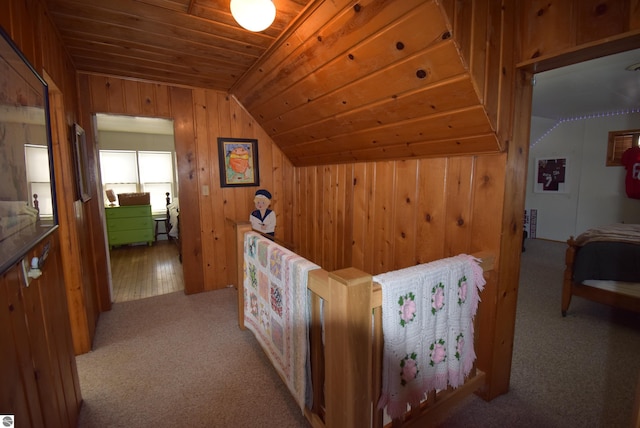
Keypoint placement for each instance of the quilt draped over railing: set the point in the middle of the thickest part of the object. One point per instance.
(276, 309)
(427, 322)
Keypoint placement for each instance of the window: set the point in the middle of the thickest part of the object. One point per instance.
(38, 178)
(156, 176)
(129, 171)
(619, 141)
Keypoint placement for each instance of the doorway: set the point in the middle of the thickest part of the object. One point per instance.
(137, 159)
(573, 109)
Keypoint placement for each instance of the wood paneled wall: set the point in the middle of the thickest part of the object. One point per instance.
(555, 33)
(383, 216)
(40, 383)
(484, 32)
(29, 26)
(201, 116)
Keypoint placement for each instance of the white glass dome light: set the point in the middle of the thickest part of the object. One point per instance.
(254, 15)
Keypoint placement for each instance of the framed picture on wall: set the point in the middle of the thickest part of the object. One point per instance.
(81, 161)
(238, 159)
(551, 175)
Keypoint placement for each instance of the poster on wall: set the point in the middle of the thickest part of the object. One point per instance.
(551, 175)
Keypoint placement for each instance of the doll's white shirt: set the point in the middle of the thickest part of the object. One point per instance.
(264, 225)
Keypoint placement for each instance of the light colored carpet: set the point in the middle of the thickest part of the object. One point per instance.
(177, 360)
(579, 371)
(180, 361)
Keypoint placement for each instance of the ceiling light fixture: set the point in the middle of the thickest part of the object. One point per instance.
(254, 15)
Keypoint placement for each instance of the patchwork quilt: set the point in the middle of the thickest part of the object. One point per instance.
(276, 309)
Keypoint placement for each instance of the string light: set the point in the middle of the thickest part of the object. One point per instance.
(585, 117)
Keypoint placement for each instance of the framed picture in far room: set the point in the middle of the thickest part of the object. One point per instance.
(551, 175)
(238, 159)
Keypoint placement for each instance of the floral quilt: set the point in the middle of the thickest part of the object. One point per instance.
(427, 322)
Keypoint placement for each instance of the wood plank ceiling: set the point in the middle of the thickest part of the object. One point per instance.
(330, 81)
(185, 42)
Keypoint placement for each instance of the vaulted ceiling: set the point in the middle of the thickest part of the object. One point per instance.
(329, 81)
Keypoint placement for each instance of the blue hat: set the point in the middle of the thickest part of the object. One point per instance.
(263, 193)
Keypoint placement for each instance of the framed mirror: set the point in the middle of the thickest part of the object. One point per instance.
(27, 191)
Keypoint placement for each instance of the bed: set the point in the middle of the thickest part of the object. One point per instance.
(603, 265)
(345, 375)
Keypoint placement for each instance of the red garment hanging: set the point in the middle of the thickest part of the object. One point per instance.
(631, 161)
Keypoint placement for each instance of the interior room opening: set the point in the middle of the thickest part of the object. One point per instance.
(139, 188)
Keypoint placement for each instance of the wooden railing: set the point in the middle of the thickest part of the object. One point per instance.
(347, 366)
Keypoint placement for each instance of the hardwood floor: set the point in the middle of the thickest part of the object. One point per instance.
(140, 271)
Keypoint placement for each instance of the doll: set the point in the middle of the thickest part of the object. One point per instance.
(262, 218)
